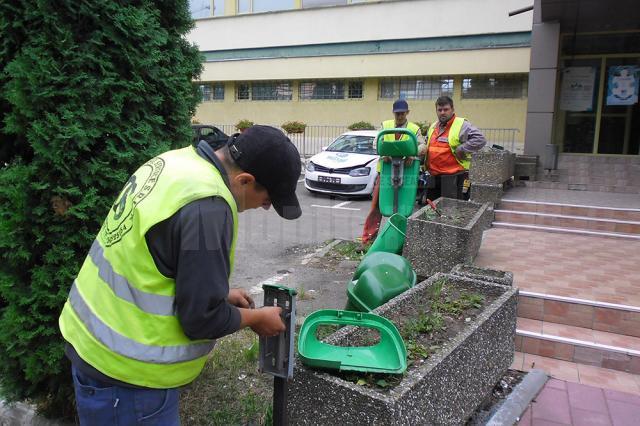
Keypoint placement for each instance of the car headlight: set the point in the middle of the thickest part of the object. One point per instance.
(362, 171)
(311, 167)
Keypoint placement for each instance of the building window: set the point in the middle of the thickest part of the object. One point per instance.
(330, 89)
(355, 90)
(212, 92)
(416, 88)
(264, 91)
(206, 8)
(319, 3)
(494, 87)
(253, 6)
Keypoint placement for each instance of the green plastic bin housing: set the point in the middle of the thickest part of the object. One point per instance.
(391, 238)
(389, 355)
(407, 191)
(379, 278)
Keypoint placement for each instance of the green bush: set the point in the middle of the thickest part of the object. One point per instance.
(244, 124)
(294, 127)
(361, 125)
(88, 91)
(424, 127)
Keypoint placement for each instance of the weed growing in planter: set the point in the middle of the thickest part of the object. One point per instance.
(425, 326)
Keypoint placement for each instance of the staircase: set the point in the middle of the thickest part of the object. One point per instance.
(573, 330)
(580, 331)
(566, 218)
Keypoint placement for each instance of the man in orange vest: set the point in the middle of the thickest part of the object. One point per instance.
(449, 144)
(400, 112)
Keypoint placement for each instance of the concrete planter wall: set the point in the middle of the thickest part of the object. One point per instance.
(446, 389)
(437, 247)
(491, 166)
(486, 192)
(484, 274)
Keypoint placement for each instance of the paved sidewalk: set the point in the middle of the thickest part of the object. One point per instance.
(565, 403)
(584, 267)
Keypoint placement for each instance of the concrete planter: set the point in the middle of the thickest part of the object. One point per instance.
(446, 389)
(486, 192)
(491, 166)
(484, 274)
(437, 247)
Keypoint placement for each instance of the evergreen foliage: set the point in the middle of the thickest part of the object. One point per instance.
(88, 92)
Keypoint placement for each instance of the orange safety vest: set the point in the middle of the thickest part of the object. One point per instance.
(440, 157)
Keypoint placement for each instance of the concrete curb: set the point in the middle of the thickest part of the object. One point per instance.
(518, 400)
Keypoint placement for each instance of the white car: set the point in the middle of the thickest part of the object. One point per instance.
(346, 167)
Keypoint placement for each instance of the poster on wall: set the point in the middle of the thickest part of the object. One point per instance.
(622, 88)
(576, 92)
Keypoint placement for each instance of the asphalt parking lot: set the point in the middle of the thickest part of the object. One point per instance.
(271, 249)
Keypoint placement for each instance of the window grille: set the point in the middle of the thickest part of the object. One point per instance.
(416, 88)
(264, 91)
(212, 92)
(495, 87)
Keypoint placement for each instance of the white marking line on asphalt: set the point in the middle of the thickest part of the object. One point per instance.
(257, 289)
(342, 204)
(301, 180)
(334, 207)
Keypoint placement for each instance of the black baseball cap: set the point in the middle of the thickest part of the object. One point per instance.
(267, 154)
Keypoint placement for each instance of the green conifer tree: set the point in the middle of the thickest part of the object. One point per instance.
(88, 92)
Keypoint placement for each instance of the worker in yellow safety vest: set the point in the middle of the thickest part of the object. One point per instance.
(153, 294)
(400, 113)
(447, 150)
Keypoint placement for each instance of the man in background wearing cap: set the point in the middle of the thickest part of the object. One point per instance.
(400, 113)
(153, 293)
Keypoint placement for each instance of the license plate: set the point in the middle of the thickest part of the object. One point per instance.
(328, 179)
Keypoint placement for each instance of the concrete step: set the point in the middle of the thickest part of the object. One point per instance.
(590, 314)
(568, 221)
(572, 210)
(578, 344)
(565, 230)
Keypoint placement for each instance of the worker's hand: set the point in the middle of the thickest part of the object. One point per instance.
(268, 322)
(386, 159)
(461, 153)
(408, 161)
(240, 298)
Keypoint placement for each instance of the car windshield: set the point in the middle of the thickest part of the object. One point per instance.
(353, 143)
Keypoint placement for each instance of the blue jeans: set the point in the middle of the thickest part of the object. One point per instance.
(100, 403)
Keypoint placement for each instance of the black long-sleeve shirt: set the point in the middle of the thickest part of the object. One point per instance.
(192, 247)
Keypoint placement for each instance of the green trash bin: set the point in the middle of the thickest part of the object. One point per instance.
(398, 182)
(391, 238)
(379, 278)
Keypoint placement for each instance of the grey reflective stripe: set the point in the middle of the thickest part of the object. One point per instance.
(148, 302)
(129, 348)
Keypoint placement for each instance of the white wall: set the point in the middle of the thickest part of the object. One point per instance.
(385, 20)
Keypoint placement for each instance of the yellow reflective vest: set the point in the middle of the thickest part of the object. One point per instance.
(120, 315)
(454, 139)
(390, 124)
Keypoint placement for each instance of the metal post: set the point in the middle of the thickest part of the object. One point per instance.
(280, 396)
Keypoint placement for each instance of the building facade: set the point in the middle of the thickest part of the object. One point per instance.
(332, 62)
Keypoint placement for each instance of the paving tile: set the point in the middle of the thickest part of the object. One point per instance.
(588, 356)
(608, 379)
(571, 332)
(518, 361)
(556, 384)
(614, 339)
(525, 420)
(528, 324)
(552, 405)
(543, 422)
(589, 418)
(622, 397)
(556, 368)
(624, 414)
(586, 398)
